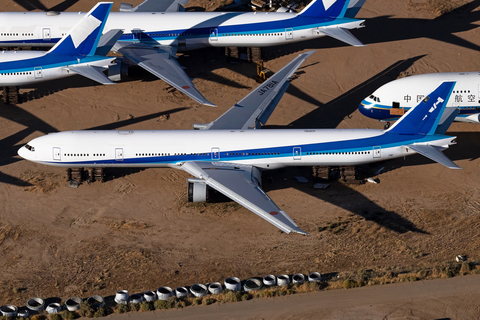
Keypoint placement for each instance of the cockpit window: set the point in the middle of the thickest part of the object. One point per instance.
(29, 147)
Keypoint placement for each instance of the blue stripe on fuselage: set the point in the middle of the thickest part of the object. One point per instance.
(46, 62)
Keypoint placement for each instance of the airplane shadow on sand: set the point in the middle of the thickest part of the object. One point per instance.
(31, 5)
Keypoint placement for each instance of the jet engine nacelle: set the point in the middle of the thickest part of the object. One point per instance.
(118, 71)
(473, 118)
(197, 190)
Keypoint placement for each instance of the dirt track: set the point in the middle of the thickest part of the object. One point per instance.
(137, 232)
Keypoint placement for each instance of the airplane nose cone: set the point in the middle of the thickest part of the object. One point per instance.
(365, 108)
(22, 152)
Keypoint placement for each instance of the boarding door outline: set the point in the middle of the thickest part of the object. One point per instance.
(38, 73)
(214, 34)
(215, 154)
(297, 153)
(288, 34)
(57, 154)
(46, 34)
(377, 152)
(118, 154)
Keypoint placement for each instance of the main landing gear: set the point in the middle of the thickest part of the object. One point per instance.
(386, 125)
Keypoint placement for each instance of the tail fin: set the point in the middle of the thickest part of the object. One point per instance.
(425, 117)
(326, 9)
(83, 38)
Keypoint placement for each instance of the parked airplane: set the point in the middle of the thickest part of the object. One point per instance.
(74, 54)
(153, 37)
(228, 154)
(392, 100)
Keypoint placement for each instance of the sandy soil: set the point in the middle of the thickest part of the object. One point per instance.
(137, 232)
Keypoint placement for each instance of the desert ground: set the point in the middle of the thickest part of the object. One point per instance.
(137, 232)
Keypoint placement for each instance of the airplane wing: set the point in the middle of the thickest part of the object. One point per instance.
(161, 62)
(341, 34)
(160, 6)
(91, 72)
(434, 154)
(256, 108)
(238, 184)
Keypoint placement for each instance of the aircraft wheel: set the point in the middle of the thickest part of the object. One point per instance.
(386, 125)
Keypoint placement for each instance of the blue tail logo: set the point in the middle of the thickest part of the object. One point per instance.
(326, 9)
(82, 40)
(424, 118)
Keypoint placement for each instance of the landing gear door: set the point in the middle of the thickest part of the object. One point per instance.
(377, 152)
(118, 154)
(289, 34)
(57, 154)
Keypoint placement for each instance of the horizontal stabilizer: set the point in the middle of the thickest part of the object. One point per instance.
(90, 72)
(161, 63)
(446, 120)
(107, 41)
(434, 154)
(239, 185)
(258, 105)
(341, 34)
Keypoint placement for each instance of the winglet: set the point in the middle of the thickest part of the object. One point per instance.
(425, 117)
(83, 38)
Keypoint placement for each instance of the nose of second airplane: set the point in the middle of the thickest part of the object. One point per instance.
(366, 108)
(22, 152)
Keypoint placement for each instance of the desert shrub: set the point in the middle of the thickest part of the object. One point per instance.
(101, 312)
(206, 301)
(245, 297)
(133, 307)
(86, 310)
(67, 315)
(196, 301)
(146, 306)
(466, 268)
(55, 316)
(121, 308)
(413, 278)
(161, 304)
(348, 284)
(448, 272)
(35, 317)
(233, 296)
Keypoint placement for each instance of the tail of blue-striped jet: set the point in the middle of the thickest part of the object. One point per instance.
(83, 38)
(326, 9)
(429, 118)
(425, 117)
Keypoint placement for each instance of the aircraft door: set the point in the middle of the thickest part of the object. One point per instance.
(213, 34)
(118, 154)
(297, 153)
(289, 34)
(37, 72)
(46, 34)
(215, 154)
(377, 152)
(57, 154)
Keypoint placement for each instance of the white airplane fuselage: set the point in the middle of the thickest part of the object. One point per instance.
(267, 149)
(387, 102)
(30, 67)
(187, 30)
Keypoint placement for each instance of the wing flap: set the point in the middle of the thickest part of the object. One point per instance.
(237, 184)
(160, 63)
(256, 107)
(90, 72)
(341, 34)
(433, 154)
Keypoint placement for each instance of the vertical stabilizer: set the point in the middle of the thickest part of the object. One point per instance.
(82, 40)
(326, 9)
(425, 117)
